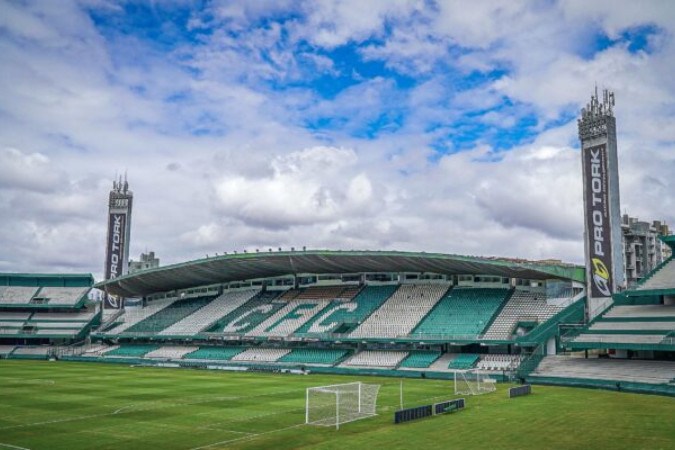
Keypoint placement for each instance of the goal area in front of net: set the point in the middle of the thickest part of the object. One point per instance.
(473, 382)
(340, 403)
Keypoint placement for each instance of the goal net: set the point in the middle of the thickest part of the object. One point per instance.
(473, 382)
(340, 403)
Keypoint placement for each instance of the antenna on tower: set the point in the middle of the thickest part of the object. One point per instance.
(126, 184)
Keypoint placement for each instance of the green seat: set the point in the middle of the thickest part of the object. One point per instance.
(214, 353)
(464, 361)
(132, 350)
(420, 359)
(463, 312)
(314, 356)
(169, 315)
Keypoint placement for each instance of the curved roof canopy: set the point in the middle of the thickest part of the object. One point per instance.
(248, 266)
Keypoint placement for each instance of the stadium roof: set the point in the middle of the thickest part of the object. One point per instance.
(47, 279)
(249, 266)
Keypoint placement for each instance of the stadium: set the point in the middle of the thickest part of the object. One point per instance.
(283, 347)
(327, 348)
(267, 326)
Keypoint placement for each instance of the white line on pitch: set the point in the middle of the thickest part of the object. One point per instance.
(122, 409)
(13, 446)
(250, 436)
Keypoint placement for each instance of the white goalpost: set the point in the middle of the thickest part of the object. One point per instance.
(473, 382)
(340, 403)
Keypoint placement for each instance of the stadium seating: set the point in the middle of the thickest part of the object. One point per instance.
(171, 351)
(633, 326)
(499, 362)
(31, 352)
(249, 315)
(442, 363)
(614, 338)
(42, 323)
(323, 293)
(462, 312)
(289, 318)
(214, 353)
(206, 316)
(340, 312)
(11, 323)
(131, 350)
(374, 358)
(521, 307)
(401, 312)
(10, 328)
(97, 350)
(664, 278)
(629, 327)
(313, 356)
(420, 359)
(652, 312)
(5, 350)
(11, 316)
(83, 315)
(16, 295)
(169, 315)
(301, 307)
(61, 296)
(261, 354)
(632, 370)
(132, 316)
(464, 361)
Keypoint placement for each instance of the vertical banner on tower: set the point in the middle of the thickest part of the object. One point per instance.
(115, 254)
(597, 216)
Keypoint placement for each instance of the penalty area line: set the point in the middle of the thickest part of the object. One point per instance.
(2, 444)
(250, 436)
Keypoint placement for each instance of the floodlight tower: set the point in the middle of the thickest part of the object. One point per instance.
(602, 225)
(119, 231)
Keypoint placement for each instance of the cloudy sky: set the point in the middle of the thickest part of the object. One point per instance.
(444, 126)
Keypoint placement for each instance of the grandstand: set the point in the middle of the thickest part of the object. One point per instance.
(628, 327)
(575, 369)
(38, 309)
(380, 313)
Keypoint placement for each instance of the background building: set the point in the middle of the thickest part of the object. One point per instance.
(642, 248)
(147, 261)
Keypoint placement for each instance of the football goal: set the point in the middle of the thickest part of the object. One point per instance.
(473, 382)
(340, 403)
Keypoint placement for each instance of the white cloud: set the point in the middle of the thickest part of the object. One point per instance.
(305, 187)
(31, 171)
(214, 131)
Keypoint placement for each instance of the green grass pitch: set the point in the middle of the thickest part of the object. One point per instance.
(68, 405)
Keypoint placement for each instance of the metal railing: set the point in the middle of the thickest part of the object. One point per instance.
(531, 362)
